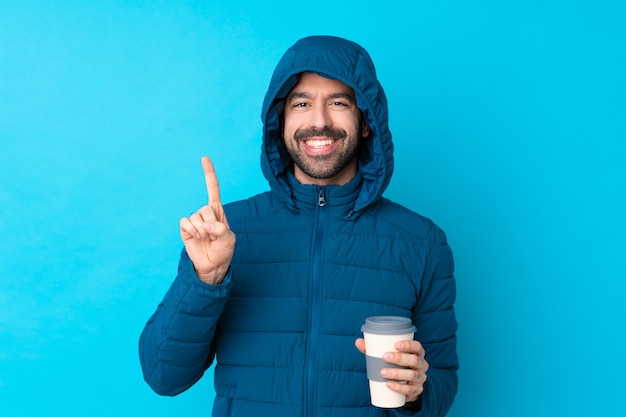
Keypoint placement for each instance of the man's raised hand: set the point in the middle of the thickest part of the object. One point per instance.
(207, 237)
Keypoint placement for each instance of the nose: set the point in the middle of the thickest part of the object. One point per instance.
(320, 117)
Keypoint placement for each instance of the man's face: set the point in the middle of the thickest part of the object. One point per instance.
(322, 130)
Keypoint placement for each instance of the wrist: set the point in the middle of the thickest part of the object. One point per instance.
(414, 405)
(214, 277)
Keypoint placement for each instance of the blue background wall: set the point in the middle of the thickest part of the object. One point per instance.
(508, 119)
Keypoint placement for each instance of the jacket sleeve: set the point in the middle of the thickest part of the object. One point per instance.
(176, 346)
(436, 326)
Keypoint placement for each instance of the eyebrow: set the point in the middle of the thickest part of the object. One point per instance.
(343, 94)
(303, 94)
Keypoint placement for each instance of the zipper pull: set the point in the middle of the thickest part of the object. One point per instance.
(321, 199)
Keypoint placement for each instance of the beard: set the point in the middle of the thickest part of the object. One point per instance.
(323, 166)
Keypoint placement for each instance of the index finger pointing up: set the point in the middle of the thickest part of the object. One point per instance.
(212, 187)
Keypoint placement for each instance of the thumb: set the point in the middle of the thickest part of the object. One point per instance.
(360, 345)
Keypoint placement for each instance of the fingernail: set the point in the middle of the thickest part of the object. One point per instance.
(387, 356)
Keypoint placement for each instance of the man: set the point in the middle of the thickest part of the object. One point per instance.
(275, 288)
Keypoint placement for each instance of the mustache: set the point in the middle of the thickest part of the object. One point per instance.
(325, 131)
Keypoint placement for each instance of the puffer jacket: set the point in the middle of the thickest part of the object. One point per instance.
(310, 264)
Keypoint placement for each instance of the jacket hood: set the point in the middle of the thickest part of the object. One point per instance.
(341, 60)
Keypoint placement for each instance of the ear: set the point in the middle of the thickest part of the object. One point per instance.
(365, 129)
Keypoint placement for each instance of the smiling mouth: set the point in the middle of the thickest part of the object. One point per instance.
(318, 143)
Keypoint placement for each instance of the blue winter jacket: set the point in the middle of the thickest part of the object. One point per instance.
(310, 264)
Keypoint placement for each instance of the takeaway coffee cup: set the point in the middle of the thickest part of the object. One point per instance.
(381, 334)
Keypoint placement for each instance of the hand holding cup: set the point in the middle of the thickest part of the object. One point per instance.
(396, 364)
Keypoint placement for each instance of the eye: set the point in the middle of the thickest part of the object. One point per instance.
(339, 103)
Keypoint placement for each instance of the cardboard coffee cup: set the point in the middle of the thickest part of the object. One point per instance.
(381, 334)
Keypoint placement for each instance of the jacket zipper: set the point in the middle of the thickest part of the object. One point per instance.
(322, 215)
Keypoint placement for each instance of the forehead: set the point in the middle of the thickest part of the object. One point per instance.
(310, 82)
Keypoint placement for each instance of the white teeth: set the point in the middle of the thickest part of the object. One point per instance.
(319, 143)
